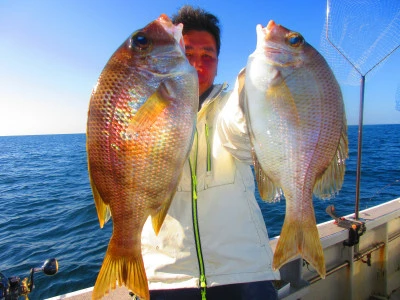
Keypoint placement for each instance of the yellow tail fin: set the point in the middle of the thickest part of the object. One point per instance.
(300, 239)
(128, 271)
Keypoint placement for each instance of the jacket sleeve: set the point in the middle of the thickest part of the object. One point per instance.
(232, 128)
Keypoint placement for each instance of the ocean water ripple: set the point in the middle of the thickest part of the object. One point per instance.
(47, 208)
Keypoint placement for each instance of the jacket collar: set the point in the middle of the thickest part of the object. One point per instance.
(211, 94)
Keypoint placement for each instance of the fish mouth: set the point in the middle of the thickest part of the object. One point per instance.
(172, 29)
(262, 39)
(270, 26)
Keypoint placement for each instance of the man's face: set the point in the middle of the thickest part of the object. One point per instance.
(201, 51)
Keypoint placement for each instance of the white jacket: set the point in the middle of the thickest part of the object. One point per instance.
(234, 240)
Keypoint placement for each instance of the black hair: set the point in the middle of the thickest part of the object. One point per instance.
(198, 19)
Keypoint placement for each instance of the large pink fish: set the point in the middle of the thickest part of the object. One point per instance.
(140, 129)
(296, 118)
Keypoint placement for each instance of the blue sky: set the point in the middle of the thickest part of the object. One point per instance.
(52, 52)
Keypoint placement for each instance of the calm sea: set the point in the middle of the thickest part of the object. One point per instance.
(47, 209)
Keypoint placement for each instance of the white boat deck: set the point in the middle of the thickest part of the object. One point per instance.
(370, 270)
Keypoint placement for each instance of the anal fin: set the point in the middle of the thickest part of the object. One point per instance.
(158, 219)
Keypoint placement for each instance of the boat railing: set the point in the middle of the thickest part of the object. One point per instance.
(375, 259)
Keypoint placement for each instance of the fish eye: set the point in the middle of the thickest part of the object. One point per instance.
(140, 41)
(295, 39)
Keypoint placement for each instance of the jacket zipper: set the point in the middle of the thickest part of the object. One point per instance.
(193, 172)
(208, 148)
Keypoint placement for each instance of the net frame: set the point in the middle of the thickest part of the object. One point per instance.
(360, 64)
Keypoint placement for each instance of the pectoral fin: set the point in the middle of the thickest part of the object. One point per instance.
(283, 101)
(148, 113)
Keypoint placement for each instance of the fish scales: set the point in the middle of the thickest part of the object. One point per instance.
(296, 119)
(140, 128)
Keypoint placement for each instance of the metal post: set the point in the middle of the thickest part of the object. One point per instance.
(359, 152)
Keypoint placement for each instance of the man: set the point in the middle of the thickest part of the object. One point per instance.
(213, 243)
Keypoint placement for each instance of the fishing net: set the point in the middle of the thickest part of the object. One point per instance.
(359, 35)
